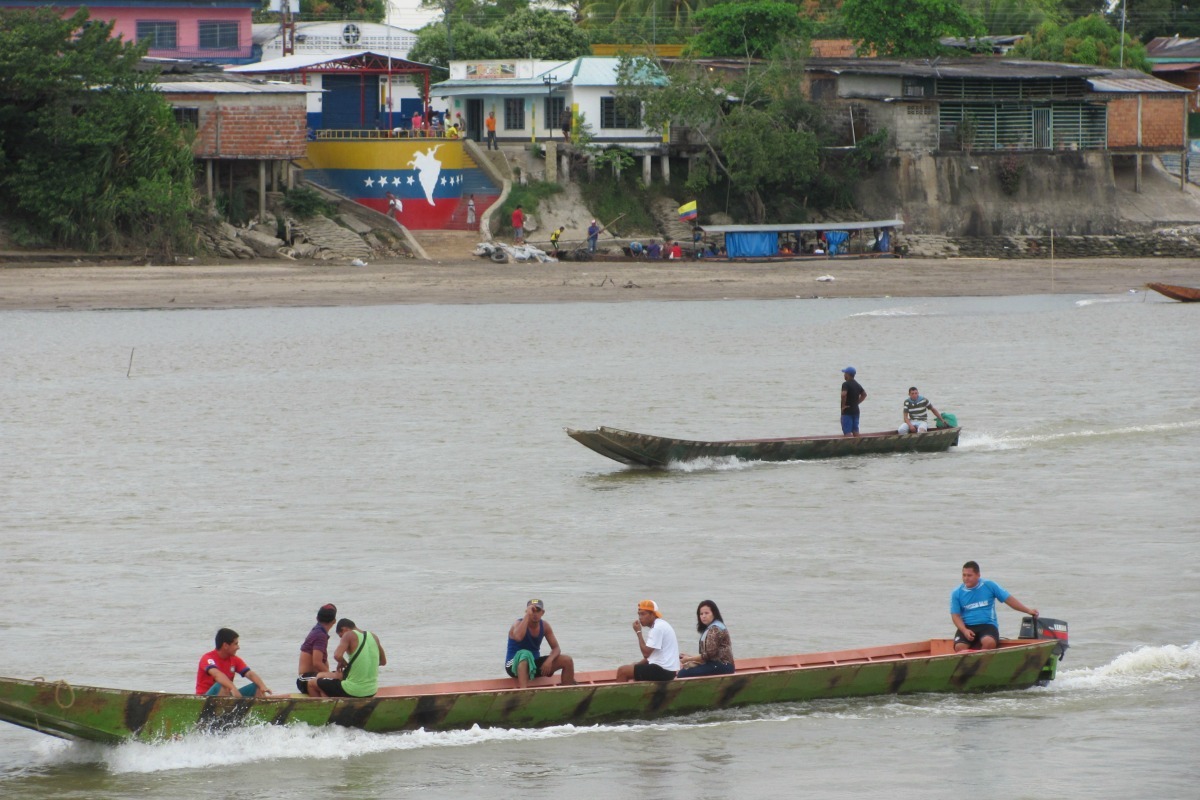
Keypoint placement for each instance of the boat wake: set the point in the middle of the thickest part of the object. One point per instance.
(891, 312)
(1144, 667)
(1133, 296)
(985, 441)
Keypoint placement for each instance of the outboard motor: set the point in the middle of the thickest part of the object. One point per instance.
(1045, 628)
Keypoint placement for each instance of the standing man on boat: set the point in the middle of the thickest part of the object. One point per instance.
(852, 395)
(314, 650)
(593, 234)
(524, 660)
(659, 646)
(359, 656)
(973, 610)
(214, 677)
(916, 413)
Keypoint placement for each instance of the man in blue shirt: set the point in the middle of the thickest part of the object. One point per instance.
(973, 610)
(524, 660)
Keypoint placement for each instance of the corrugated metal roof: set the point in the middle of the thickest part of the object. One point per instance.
(1182, 66)
(1173, 47)
(293, 63)
(805, 226)
(994, 68)
(231, 87)
(1143, 85)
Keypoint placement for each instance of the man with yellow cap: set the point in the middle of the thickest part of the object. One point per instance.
(659, 646)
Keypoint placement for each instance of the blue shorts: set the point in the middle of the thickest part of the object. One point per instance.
(850, 423)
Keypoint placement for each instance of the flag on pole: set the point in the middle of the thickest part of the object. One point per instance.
(687, 211)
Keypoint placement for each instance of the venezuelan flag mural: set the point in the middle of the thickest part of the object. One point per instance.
(432, 177)
(687, 211)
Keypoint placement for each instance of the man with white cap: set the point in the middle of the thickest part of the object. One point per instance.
(524, 661)
(852, 394)
(593, 236)
(659, 646)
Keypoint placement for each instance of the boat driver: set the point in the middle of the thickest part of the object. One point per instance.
(973, 610)
(916, 413)
(523, 660)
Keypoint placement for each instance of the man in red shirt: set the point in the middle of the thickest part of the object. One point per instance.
(214, 676)
(518, 223)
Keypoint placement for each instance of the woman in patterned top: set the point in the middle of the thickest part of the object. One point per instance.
(716, 648)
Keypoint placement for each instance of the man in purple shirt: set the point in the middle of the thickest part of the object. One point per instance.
(314, 653)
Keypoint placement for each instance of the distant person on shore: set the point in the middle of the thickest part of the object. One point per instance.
(852, 395)
(490, 125)
(214, 676)
(653, 250)
(470, 209)
(518, 224)
(524, 660)
(676, 251)
(564, 122)
(395, 206)
(359, 656)
(916, 413)
(973, 610)
(314, 650)
(418, 123)
(659, 646)
(716, 648)
(554, 237)
(593, 235)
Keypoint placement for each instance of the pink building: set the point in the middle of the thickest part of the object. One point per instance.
(211, 30)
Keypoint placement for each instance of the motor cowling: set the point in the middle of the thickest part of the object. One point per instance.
(1046, 628)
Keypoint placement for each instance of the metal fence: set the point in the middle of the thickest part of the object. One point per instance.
(1022, 126)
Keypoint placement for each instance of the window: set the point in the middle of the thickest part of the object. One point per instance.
(218, 35)
(822, 89)
(615, 114)
(160, 34)
(554, 107)
(187, 117)
(514, 113)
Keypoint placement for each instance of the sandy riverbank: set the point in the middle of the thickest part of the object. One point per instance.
(274, 283)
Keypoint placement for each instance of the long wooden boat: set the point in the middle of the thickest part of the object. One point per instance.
(1184, 294)
(115, 715)
(648, 450)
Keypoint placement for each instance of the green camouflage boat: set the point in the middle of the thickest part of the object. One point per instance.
(648, 450)
(115, 715)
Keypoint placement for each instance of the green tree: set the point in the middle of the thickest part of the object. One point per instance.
(908, 29)
(1090, 40)
(525, 33)
(90, 154)
(747, 30)
(1002, 17)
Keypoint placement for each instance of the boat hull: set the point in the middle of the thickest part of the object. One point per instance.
(115, 715)
(1184, 294)
(648, 450)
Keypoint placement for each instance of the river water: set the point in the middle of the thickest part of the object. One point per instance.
(167, 473)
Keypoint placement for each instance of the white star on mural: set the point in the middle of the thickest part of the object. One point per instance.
(396, 181)
(370, 182)
(410, 180)
(383, 180)
(443, 181)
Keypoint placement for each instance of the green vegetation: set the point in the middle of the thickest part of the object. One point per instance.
(609, 199)
(908, 29)
(304, 203)
(90, 154)
(1090, 40)
(525, 33)
(754, 29)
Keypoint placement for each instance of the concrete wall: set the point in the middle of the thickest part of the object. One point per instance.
(963, 195)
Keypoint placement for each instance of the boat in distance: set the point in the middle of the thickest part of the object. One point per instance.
(648, 450)
(1184, 294)
(932, 666)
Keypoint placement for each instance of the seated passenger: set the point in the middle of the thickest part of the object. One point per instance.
(524, 660)
(636, 249)
(916, 413)
(654, 250)
(716, 648)
(659, 646)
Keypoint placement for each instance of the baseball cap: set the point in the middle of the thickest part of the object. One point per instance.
(650, 605)
(849, 371)
(538, 604)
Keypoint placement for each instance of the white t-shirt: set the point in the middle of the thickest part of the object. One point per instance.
(666, 647)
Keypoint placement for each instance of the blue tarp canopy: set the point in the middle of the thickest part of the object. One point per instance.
(751, 245)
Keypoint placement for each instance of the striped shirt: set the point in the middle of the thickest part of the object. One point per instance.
(917, 409)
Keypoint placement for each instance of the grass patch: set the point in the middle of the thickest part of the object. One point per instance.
(304, 203)
(528, 197)
(608, 199)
